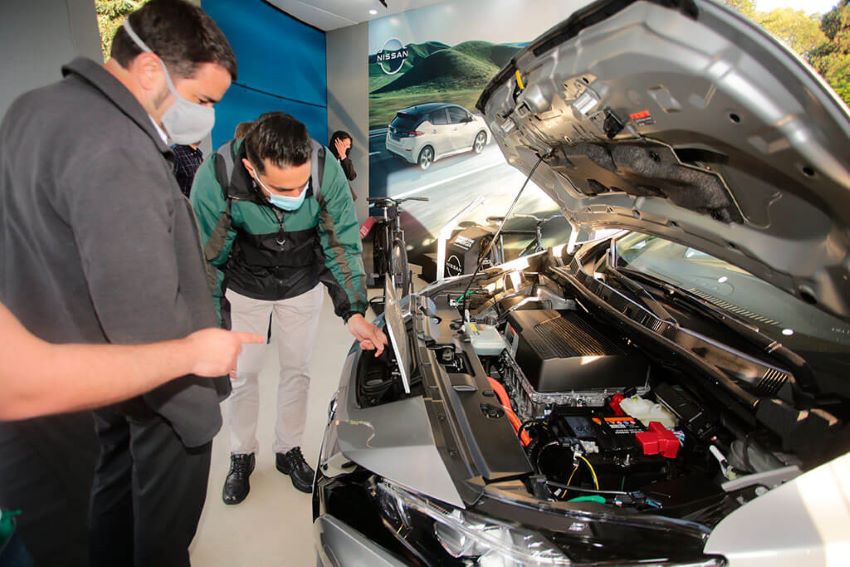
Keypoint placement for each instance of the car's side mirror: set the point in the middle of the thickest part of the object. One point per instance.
(467, 120)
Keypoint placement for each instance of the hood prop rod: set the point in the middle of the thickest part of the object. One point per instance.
(495, 238)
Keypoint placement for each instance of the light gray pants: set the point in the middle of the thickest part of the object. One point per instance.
(295, 323)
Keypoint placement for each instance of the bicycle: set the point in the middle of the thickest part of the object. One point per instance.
(390, 249)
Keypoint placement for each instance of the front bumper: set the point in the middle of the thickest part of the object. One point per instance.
(339, 544)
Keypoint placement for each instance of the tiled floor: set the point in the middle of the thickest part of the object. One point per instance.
(273, 526)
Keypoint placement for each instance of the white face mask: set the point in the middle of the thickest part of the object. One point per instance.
(185, 121)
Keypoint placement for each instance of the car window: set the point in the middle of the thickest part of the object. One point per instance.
(776, 313)
(457, 115)
(403, 121)
(438, 117)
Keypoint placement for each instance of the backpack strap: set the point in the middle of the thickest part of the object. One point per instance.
(225, 176)
(317, 167)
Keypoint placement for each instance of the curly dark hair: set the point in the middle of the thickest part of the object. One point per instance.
(181, 34)
(279, 138)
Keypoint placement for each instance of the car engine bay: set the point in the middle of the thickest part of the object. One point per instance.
(602, 414)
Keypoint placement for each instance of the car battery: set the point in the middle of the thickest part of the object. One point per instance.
(610, 444)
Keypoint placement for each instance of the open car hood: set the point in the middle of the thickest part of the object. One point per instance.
(681, 118)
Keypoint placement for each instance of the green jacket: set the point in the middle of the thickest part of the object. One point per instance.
(262, 252)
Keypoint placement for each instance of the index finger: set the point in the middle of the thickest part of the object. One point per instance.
(379, 344)
(250, 338)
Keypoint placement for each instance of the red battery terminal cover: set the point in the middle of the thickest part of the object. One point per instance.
(658, 439)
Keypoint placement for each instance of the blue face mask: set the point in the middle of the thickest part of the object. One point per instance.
(288, 204)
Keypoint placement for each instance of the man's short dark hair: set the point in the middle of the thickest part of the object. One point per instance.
(279, 138)
(181, 34)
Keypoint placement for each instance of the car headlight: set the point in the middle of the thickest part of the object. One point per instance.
(462, 534)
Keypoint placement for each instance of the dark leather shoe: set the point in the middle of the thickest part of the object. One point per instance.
(236, 486)
(300, 473)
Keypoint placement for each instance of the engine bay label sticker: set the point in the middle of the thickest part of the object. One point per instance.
(642, 118)
(621, 425)
(463, 242)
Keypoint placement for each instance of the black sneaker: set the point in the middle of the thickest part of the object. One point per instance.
(300, 473)
(236, 486)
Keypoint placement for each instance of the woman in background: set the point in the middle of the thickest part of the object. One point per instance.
(340, 144)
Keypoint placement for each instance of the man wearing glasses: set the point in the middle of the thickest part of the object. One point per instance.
(277, 220)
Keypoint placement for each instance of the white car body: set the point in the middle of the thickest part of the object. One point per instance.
(426, 133)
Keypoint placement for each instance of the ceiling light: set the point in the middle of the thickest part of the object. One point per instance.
(787, 332)
(373, 12)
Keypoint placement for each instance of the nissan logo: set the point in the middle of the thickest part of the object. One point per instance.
(392, 56)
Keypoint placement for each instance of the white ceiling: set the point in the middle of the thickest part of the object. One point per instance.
(333, 14)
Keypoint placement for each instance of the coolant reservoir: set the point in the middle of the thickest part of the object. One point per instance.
(486, 339)
(647, 411)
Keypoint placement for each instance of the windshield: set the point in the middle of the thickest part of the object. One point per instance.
(777, 314)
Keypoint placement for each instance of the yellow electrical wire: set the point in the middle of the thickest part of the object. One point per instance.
(569, 482)
(593, 472)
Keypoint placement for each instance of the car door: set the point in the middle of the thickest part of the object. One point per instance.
(463, 132)
(439, 136)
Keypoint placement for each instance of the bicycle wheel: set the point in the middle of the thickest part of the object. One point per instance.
(379, 255)
(399, 268)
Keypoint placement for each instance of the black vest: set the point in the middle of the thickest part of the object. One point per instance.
(277, 265)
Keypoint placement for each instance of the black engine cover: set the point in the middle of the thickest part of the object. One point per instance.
(560, 351)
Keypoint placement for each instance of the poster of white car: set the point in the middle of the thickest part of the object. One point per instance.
(424, 133)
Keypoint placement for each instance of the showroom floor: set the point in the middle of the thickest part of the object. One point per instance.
(273, 526)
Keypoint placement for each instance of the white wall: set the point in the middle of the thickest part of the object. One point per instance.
(37, 37)
(348, 100)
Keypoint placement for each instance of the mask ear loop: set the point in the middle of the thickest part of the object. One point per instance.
(265, 190)
(136, 39)
(144, 47)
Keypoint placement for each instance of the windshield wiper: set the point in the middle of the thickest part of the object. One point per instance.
(798, 365)
(693, 300)
(643, 295)
(611, 261)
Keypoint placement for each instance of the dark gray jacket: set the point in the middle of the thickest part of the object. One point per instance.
(97, 244)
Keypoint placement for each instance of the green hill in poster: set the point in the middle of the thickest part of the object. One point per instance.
(494, 53)
(435, 72)
(419, 51)
(416, 52)
(444, 70)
